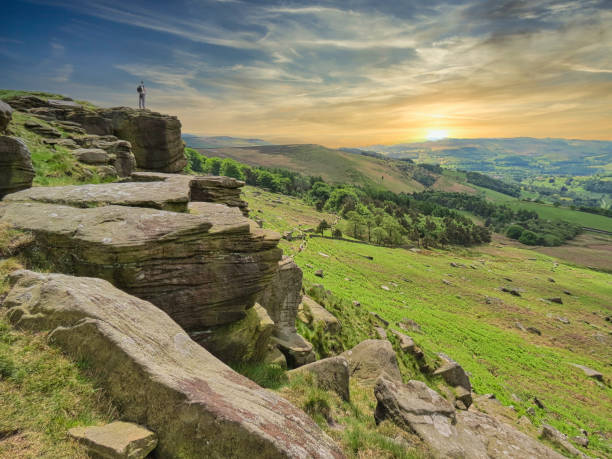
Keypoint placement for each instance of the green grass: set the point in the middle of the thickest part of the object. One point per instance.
(54, 165)
(456, 319)
(42, 395)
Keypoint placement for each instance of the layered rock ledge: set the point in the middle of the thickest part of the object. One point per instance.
(160, 378)
(171, 192)
(204, 270)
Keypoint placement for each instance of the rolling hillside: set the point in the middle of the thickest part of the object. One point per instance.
(454, 296)
(334, 166)
(514, 157)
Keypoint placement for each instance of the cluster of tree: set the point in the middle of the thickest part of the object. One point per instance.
(596, 185)
(429, 218)
(276, 180)
(596, 210)
(501, 218)
(491, 183)
(387, 218)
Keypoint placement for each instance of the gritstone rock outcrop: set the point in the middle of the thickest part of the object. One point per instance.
(155, 138)
(172, 192)
(281, 299)
(182, 263)
(161, 379)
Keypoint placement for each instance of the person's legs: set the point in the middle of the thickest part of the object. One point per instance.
(140, 101)
(143, 101)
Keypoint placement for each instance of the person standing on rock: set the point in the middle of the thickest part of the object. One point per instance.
(142, 92)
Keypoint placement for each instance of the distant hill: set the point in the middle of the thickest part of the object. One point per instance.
(195, 141)
(513, 157)
(335, 166)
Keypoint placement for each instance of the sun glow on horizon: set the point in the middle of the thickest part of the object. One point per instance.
(436, 134)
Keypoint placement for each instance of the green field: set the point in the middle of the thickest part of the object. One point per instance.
(457, 319)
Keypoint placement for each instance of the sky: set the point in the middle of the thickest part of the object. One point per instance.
(332, 72)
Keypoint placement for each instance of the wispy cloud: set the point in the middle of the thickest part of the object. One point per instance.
(333, 70)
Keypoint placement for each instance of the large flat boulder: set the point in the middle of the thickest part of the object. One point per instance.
(16, 171)
(171, 195)
(117, 440)
(203, 270)
(172, 192)
(148, 365)
(155, 138)
(448, 433)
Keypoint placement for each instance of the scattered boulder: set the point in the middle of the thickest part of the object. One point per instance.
(317, 314)
(456, 377)
(511, 291)
(409, 325)
(464, 434)
(356, 303)
(589, 372)
(556, 300)
(446, 282)
(331, 373)
(319, 273)
(384, 287)
(379, 318)
(520, 326)
(550, 279)
(6, 113)
(370, 359)
(453, 373)
(117, 440)
(534, 330)
(559, 440)
(567, 292)
(148, 365)
(16, 171)
(406, 343)
(182, 263)
(563, 320)
(380, 332)
(581, 440)
(93, 156)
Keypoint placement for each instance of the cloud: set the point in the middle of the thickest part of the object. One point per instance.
(334, 70)
(62, 74)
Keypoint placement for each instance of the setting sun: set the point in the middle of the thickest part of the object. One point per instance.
(436, 134)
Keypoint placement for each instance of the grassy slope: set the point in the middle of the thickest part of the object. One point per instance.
(42, 393)
(333, 165)
(54, 165)
(457, 320)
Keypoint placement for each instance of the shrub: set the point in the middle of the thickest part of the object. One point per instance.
(514, 232)
(231, 168)
(529, 238)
